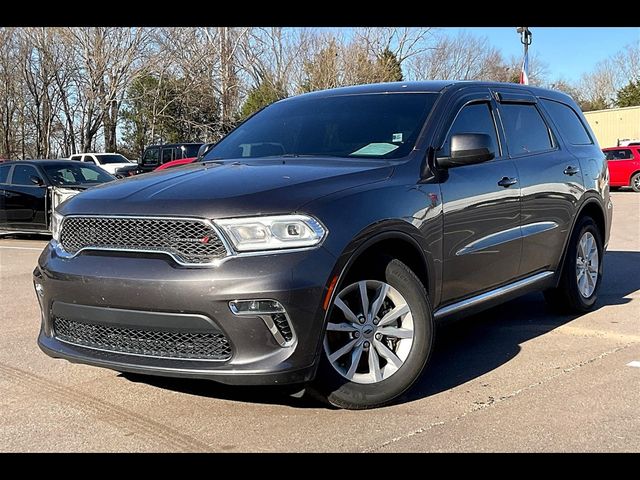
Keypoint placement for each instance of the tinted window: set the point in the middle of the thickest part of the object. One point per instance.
(356, 126)
(76, 157)
(115, 158)
(22, 175)
(474, 118)
(525, 129)
(622, 154)
(189, 151)
(568, 122)
(89, 159)
(151, 155)
(76, 174)
(4, 173)
(168, 154)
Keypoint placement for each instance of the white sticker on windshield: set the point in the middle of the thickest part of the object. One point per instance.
(397, 137)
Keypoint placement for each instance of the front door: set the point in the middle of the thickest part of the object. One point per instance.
(25, 202)
(481, 204)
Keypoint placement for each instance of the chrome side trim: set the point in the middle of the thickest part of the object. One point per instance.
(492, 240)
(498, 292)
(268, 321)
(506, 236)
(538, 227)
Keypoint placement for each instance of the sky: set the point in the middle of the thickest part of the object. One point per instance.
(568, 51)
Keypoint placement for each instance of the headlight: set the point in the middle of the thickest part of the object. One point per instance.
(272, 233)
(56, 225)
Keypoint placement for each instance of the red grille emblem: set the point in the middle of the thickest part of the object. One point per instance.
(204, 239)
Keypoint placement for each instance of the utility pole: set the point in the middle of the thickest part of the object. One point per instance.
(525, 39)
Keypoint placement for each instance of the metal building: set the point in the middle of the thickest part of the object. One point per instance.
(615, 125)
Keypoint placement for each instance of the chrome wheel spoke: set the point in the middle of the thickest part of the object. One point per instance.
(374, 365)
(384, 352)
(349, 315)
(377, 303)
(355, 360)
(342, 351)
(394, 314)
(396, 332)
(364, 298)
(341, 327)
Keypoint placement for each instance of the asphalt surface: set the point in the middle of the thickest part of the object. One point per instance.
(515, 378)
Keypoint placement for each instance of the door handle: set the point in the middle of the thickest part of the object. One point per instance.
(507, 181)
(571, 170)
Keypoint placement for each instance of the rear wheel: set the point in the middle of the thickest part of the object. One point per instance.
(378, 338)
(581, 272)
(635, 182)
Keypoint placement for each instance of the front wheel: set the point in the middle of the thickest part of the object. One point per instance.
(378, 338)
(635, 182)
(581, 272)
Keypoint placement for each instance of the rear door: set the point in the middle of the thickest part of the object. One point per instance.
(550, 179)
(168, 154)
(26, 203)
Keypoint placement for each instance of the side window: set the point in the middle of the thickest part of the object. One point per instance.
(75, 157)
(474, 118)
(525, 129)
(22, 175)
(151, 155)
(168, 154)
(566, 119)
(621, 154)
(90, 159)
(4, 173)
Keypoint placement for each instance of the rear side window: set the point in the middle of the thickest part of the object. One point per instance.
(622, 154)
(525, 129)
(475, 118)
(4, 173)
(568, 122)
(168, 154)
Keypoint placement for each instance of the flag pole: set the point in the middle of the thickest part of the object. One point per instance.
(525, 39)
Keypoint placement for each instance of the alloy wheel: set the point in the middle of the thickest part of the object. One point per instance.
(587, 263)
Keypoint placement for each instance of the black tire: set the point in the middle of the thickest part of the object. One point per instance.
(567, 298)
(331, 387)
(635, 182)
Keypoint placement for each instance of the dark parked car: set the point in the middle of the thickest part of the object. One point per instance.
(322, 239)
(30, 190)
(156, 155)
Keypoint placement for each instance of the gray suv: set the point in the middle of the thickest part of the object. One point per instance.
(323, 239)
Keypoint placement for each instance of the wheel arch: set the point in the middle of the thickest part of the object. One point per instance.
(631, 177)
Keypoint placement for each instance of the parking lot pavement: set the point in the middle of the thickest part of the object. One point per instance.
(514, 378)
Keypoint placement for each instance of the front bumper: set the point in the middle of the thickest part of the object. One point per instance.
(135, 291)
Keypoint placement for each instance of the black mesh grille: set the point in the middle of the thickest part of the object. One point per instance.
(190, 241)
(157, 343)
(283, 326)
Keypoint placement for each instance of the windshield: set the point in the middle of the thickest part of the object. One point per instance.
(114, 158)
(353, 126)
(61, 175)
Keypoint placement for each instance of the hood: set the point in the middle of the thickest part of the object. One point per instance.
(228, 188)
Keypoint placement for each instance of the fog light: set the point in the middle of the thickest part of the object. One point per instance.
(255, 307)
(39, 290)
(272, 314)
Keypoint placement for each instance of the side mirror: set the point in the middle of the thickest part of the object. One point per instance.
(203, 150)
(467, 149)
(36, 180)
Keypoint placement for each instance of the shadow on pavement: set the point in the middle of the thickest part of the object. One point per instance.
(465, 349)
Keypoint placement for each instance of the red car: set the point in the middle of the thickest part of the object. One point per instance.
(176, 163)
(624, 166)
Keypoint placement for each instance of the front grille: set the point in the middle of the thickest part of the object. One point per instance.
(156, 343)
(189, 241)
